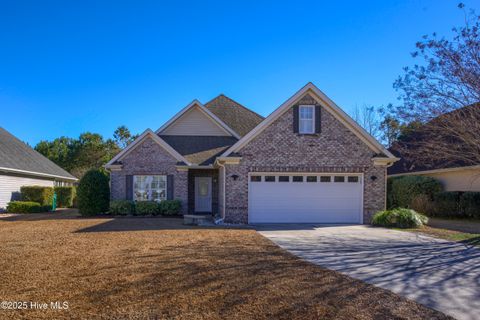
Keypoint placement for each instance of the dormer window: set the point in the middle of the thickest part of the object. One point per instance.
(306, 119)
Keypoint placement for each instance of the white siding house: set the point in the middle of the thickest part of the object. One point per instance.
(20, 166)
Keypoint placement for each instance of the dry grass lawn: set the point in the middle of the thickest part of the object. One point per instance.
(137, 268)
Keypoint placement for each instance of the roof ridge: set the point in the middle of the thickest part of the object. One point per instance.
(239, 104)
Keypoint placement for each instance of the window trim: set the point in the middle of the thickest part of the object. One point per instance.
(310, 106)
(149, 195)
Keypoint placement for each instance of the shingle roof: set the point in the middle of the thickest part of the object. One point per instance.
(200, 150)
(16, 155)
(411, 162)
(242, 120)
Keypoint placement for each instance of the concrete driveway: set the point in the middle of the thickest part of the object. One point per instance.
(437, 273)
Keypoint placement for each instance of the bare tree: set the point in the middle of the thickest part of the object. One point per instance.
(367, 117)
(442, 94)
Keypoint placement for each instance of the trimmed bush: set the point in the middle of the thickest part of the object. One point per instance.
(470, 204)
(40, 194)
(447, 204)
(65, 196)
(170, 207)
(143, 208)
(405, 189)
(399, 218)
(122, 207)
(93, 193)
(26, 207)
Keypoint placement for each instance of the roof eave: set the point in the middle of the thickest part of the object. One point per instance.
(38, 174)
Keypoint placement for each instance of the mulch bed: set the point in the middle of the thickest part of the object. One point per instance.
(159, 269)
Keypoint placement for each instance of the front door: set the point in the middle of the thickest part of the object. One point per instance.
(203, 194)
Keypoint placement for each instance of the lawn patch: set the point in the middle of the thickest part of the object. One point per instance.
(157, 268)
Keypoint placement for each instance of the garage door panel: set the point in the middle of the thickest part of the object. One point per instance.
(305, 202)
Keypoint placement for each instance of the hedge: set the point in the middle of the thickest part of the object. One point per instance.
(126, 207)
(122, 207)
(26, 207)
(40, 194)
(470, 204)
(65, 196)
(147, 207)
(457, 204)
(170, 207)
(447, 204)
(93, 193)
(403, 190)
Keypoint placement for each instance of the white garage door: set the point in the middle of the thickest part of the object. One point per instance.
(305, 198)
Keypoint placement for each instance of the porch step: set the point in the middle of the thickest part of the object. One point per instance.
(195, 219)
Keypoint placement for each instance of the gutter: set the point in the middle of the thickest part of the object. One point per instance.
(39, 174)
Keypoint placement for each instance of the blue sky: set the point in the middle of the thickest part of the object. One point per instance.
(72, 66)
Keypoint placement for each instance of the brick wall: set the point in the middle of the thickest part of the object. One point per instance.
(148, 158)
(277, 148)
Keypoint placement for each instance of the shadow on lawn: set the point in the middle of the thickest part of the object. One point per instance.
(252, 278)
(139, 224)
(472, 242)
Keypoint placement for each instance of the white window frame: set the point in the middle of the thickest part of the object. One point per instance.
(148, 188)
(300, 129)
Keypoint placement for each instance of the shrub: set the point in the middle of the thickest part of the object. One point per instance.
(422, 203)
(40, 194)
(93, 193)
(404, 189)
(122, 207)
(147, 207)
(470, 204)
(399, 218)
(447, 204)
(170, 207)
(27, 207)
(65, 196)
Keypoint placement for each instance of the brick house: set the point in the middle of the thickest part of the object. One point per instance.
(308, 161)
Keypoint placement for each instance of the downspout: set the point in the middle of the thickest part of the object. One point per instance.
(223, 191)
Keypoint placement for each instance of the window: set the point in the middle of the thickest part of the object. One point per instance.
(256, 178)
(297, 179)
(353, 179)
(311, 179)
(269, 178)
(339, 179)
(325, 179)
(149, 188)
(283, 179)
(306, 119)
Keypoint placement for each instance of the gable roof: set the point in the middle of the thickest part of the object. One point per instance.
(18, 157)
(147, 134)
(208, 113)
(408, 148)
(236, 116)
(330, 106)
(200, 150)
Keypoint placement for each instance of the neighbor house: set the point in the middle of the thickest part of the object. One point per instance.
(456, 173)
(308, 161)
(20, 166)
